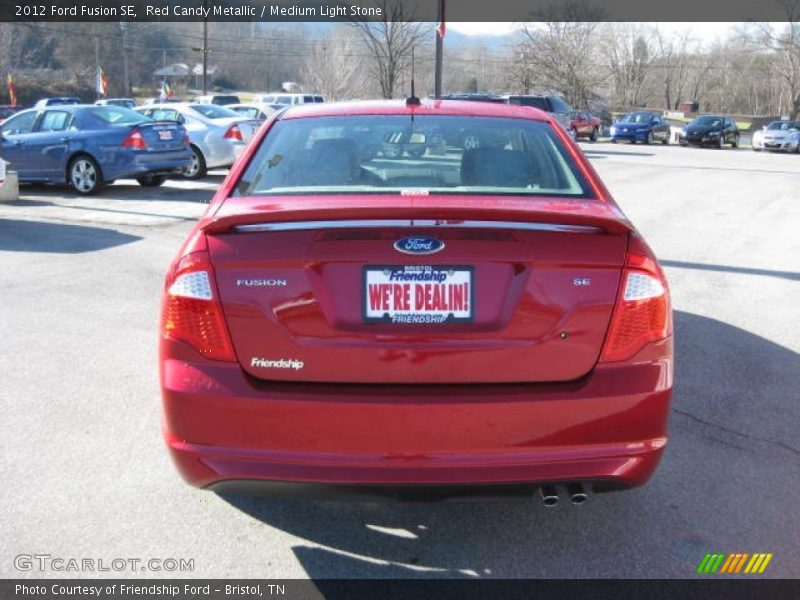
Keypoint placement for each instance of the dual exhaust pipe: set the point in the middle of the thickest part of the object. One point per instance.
(576, 492)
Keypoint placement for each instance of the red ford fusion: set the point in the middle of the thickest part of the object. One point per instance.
(367, 305)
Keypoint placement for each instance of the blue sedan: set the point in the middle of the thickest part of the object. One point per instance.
(88, 147)
(645, 127)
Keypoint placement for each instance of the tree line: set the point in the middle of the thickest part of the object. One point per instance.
(755, 69)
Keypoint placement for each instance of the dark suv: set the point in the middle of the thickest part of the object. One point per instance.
(475, 97)
(548, 103)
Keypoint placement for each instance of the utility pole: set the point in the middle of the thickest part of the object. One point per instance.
(437, 83)
(96, 63)
(205, 48)
(125, 78)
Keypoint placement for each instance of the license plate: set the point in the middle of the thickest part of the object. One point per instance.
(165, 135)
(418, 295)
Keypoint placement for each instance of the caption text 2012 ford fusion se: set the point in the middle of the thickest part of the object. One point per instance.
(415, 297)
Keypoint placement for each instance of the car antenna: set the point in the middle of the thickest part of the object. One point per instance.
(412, 100)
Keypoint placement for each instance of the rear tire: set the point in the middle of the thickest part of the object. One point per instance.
(721, 144)
(151, 180)
(735, 143)
(84, 175)
(198, 169)
(595, 135)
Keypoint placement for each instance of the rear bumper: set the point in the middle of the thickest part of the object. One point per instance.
(609, 428)
(135, 164)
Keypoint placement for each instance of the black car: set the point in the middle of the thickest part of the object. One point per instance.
(711, 130)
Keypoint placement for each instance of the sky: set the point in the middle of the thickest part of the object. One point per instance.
(706, 32)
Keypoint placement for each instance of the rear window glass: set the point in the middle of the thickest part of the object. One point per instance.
(212, 111)
(247, 111)
(429, 154)
(223, 100)
(116, 115)
(535, 101)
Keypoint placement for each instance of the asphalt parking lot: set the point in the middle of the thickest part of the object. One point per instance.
(86, 473)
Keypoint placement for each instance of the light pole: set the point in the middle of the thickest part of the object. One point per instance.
(204, 50)
(437, 80)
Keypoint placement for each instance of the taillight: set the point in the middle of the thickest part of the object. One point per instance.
(192, 312)
(186, 141)
(135, 140)
(234, 133)
(642, 314)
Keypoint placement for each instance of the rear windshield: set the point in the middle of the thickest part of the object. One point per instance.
(539, 102)
(224, 100)
(395, 154)
(117, 115)
(212, 111)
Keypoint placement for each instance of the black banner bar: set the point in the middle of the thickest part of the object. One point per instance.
(418, 589)
(399, 10)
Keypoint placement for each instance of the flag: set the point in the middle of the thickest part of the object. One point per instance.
(100, 83)
(12, 91)
(166, 91)
(441, 28)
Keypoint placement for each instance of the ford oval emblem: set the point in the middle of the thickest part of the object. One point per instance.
(419, 245)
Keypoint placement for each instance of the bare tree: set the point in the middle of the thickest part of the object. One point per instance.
(785, 43)
(674, 61)
(330, 68)
(629, 52)
(390, 42)
(560, 50)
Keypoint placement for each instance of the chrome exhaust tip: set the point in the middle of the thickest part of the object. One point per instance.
(577, 493)
(549, 495)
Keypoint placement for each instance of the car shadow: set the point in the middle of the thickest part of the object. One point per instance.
(58, 238)
(600, 153)
(790, 275)
(124, 191)
(734, 411)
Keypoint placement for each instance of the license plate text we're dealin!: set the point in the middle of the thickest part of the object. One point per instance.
(425, 294)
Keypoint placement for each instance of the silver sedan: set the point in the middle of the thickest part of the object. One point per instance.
(782, 136)
(217, 135)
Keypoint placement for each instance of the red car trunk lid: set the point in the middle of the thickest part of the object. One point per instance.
(303, 300)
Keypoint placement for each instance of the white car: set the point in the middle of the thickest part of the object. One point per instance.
(780, 136)
(217, 135)
(220, 99)
(252, 110)
(288, 99)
